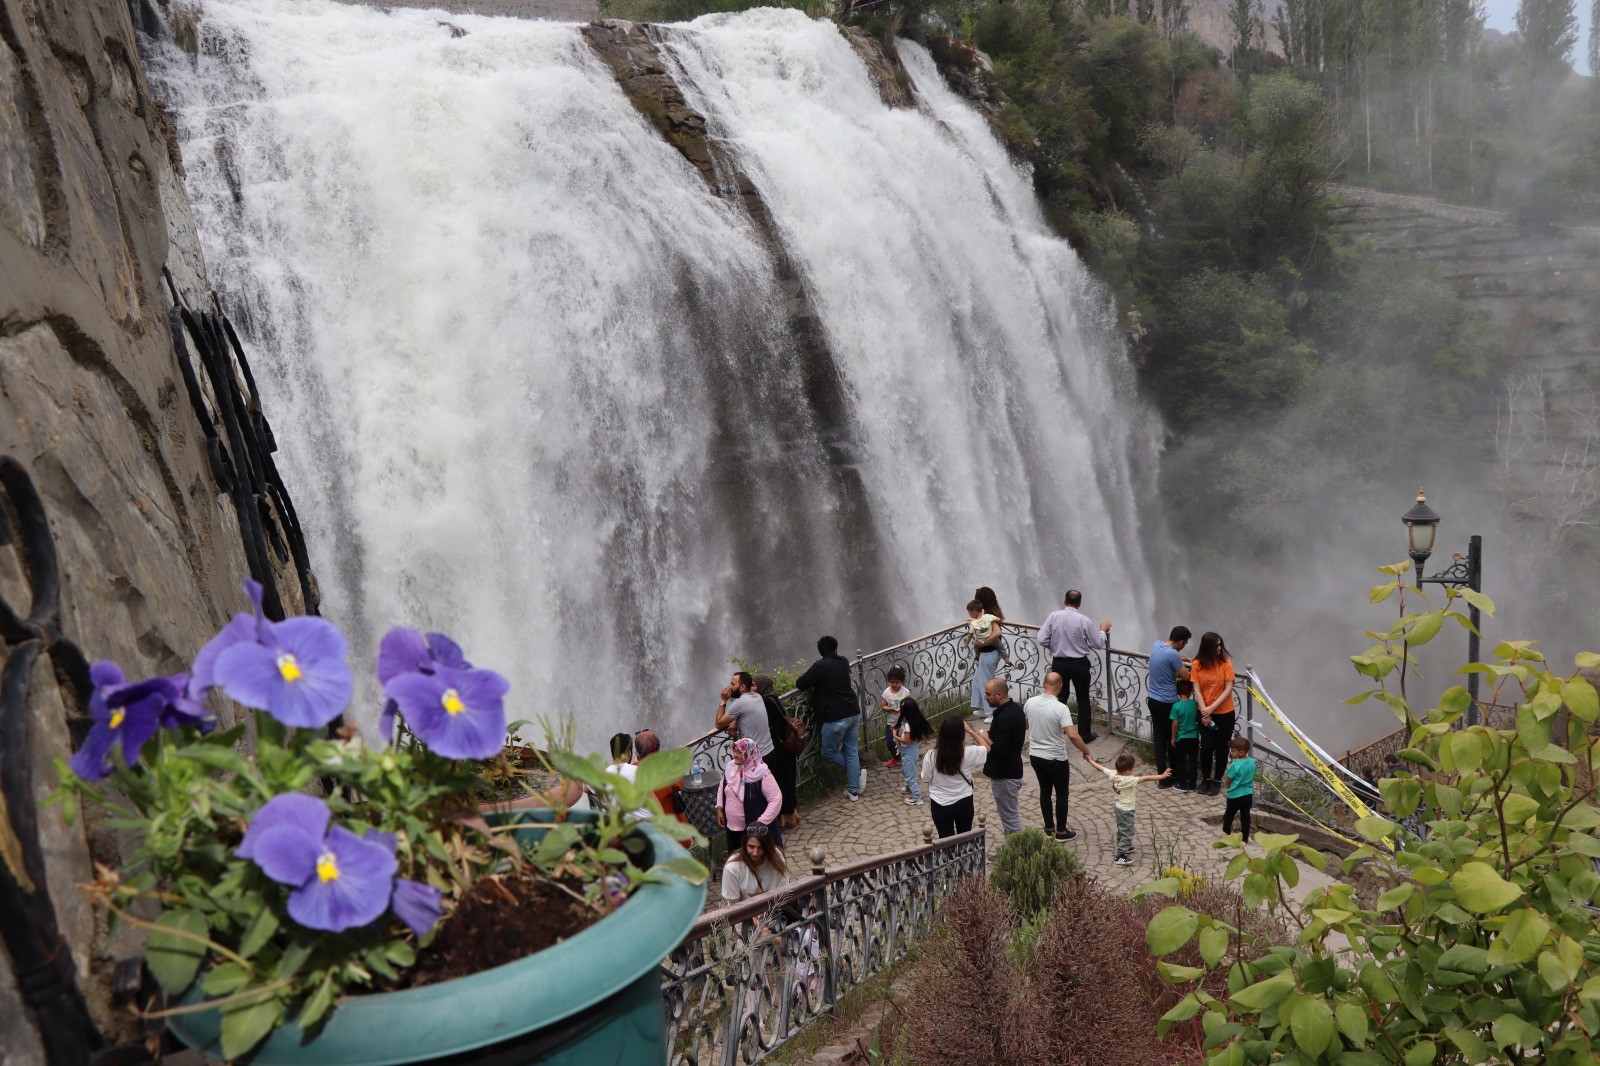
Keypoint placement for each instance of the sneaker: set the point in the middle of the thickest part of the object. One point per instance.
(1123, 860)
(913, 801)
(1182, 788)
(1164, 784)
(1213, 788)
(892, 763)
(1090, 738)
(1067, 834)
(906, 789)
(852, 796)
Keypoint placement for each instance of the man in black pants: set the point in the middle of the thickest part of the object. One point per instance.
(1049, 732)
(1070, 638)
(1166, 669)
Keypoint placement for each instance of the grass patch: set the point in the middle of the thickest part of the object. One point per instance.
(829, 1028)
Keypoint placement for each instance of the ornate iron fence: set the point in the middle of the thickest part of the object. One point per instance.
(750, 976)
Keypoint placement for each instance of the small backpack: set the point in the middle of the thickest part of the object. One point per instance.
(789, 731)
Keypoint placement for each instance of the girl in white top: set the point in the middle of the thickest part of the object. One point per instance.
(755, 868)
(947, 771)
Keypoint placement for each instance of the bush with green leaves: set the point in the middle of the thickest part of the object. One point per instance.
(1030, 869)
(1485, 949)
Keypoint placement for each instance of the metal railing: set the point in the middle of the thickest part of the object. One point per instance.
(750, 976)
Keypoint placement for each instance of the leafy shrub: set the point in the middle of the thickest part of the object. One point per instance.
(1030, 869)
(1484, 949)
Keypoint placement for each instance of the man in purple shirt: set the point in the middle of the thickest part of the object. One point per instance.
(1069, 636)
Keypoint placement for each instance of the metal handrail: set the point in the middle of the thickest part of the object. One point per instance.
(749, 976)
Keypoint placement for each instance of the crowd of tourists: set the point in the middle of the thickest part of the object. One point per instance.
(1192, 716)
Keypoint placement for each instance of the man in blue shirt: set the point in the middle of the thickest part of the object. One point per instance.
(1166, 667)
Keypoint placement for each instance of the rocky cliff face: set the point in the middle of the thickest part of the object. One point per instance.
(97, 408)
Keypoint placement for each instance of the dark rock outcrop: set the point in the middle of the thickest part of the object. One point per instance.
(93, 405)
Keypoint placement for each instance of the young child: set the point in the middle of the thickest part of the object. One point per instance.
(1240, 784)
(1185, 737)
(1123, 784)
(893, 696)
(912, 731)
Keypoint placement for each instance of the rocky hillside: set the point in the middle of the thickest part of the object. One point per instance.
(1539, 287)
(136, 426)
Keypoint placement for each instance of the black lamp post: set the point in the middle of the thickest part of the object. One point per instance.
(1422, 525)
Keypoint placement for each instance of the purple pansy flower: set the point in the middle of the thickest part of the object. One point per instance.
(339, 880)
(457, 713)
(294, 670)
(130, 714)
(243, 628)
(405, 651)
(416, 904)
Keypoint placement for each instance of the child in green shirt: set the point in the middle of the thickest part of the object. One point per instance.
(1185, 737)
(1240, 784)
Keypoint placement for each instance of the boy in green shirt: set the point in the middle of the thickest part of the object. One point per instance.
(1240, 784)
(1185, 737)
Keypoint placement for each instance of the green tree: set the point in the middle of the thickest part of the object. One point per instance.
(1484, 948)
(1549, 31)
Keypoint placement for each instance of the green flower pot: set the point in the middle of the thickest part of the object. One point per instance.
(595, 998)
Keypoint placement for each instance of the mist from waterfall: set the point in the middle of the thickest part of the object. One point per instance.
(534, 383)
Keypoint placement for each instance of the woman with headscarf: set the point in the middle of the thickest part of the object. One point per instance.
(748, 795)
(781, 762)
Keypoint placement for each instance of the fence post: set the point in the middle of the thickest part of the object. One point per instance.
(830, 978)
(1106, 676)
(1249, 709)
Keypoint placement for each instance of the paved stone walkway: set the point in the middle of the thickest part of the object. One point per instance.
(1173, 827)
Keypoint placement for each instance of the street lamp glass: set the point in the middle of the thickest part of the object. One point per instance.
(1422, 524)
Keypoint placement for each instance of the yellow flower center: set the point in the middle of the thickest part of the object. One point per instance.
(117, 717)
(452, 702)
(327, 867)
(288, 667)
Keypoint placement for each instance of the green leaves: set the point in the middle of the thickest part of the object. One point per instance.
(1213, 944)
(174, 952)
(1519, 939)
(1311, 1023)
(663, 768)
(1481, 890)
(1171, 929)
(246, 1023)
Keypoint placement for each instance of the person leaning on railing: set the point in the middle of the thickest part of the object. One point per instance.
(1069, 636)
(833, 698)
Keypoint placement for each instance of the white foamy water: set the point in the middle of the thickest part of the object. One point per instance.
(531, 379)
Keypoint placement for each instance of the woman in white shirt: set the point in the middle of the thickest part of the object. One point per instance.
(755, 868)
(947, 771)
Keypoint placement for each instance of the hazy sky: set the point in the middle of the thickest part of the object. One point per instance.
(1502, 16)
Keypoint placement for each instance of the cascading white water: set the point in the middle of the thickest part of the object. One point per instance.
(532, 380)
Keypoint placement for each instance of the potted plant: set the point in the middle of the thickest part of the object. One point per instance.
(318, 899)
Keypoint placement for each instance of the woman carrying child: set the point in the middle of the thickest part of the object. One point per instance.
(912, 730)
(947, 770)
(983, 636)
(748, 796)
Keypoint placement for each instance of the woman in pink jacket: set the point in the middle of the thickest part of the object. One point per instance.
(748, 795)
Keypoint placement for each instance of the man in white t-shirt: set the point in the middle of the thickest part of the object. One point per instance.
(1049, 731)
(743, 706)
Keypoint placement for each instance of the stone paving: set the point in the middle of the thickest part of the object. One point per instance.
(1173, 827)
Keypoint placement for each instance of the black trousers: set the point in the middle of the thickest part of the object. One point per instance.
(1054, 776)
(1160, 731)
(784, 771)
(952, 819)
(1214, 746)
(1075, 675)
(1240, 806)
(1185, 755)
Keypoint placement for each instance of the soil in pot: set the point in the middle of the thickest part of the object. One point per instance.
(501, 920)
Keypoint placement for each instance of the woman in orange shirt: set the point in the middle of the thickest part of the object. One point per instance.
(1212, 674)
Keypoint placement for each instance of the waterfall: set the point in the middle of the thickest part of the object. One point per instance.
(535, 386)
